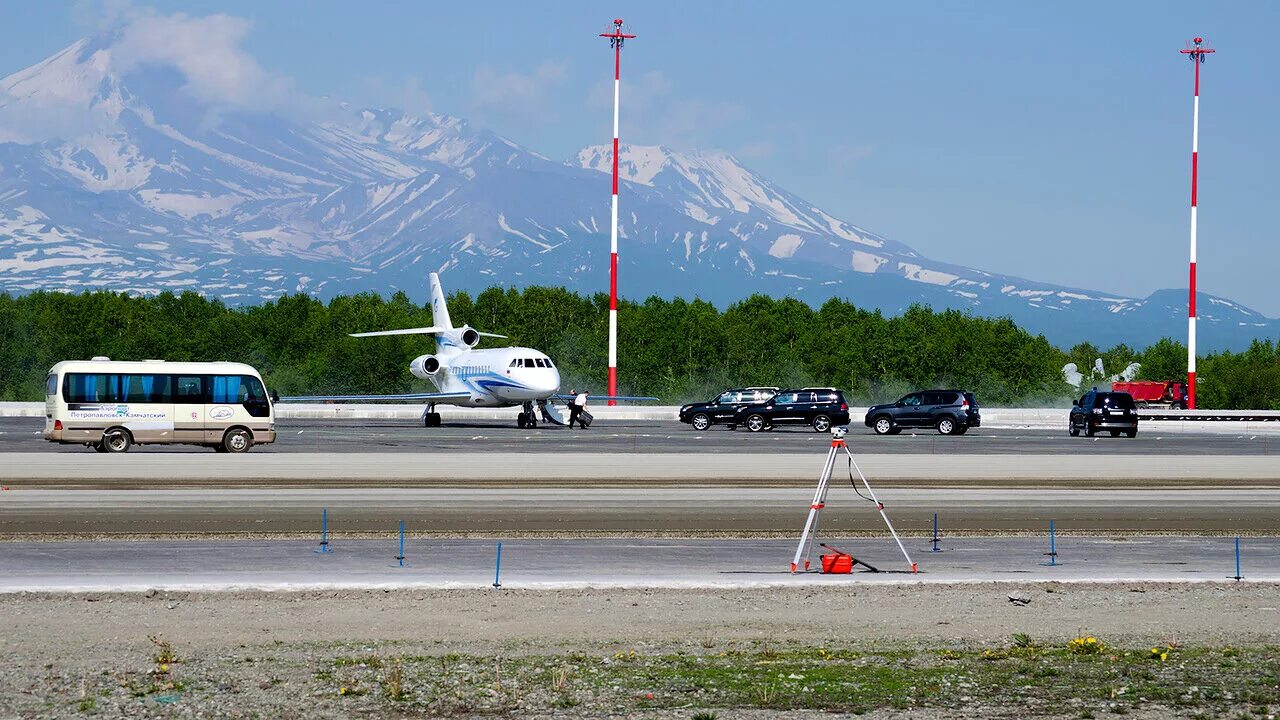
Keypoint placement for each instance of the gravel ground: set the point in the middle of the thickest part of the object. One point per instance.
(551, 653)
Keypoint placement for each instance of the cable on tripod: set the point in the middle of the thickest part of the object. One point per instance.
(855, 485)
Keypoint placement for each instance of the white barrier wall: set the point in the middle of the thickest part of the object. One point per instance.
(1029, 418)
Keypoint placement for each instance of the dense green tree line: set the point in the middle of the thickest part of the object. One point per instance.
(677, 350)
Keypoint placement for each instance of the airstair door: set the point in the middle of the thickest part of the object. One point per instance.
(550, 413)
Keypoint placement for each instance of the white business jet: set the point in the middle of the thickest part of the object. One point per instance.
(466, 377)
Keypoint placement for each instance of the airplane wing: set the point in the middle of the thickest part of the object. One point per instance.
(607, 398)
(404, 331)
(433, 330)
(411, 397)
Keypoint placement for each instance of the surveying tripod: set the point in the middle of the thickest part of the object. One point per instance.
(810, 534)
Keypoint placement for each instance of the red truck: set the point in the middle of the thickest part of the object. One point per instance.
(1155, 393)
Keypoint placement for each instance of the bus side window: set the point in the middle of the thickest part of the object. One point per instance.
(91, 388)
(251, 389)
(253, 396)
(145, 388)
(189, 389)
(226, 389)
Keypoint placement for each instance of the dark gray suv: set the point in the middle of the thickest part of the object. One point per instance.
(952, 412)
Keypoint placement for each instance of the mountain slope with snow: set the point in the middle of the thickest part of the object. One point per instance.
(113, 175)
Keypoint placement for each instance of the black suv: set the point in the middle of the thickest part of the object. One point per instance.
(1111, 411)
(724, 406)
(819, 408)
(952, 412)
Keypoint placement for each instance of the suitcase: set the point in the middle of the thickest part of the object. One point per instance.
(586, 418)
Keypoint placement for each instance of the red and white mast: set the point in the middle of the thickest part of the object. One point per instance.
(1197, 55)
(616, 38)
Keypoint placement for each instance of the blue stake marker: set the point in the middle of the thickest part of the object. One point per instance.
(400, 557)
(935, 533)
(1238, 575)
(1053, 547)
(497, 567)
(324, 531)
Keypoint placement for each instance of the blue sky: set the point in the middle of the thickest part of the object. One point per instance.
(1046, 140)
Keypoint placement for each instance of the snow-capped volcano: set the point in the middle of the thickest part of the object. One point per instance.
(131, 171)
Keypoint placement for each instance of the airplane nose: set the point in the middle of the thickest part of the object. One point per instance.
(554, 385)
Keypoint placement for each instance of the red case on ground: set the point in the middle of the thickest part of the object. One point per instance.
(837, 564)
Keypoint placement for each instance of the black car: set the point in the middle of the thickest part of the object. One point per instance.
(819, 408)
(723, 407)
(952, 412)
(1114, 412)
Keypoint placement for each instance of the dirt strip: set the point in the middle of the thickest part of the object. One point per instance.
(88, 626)
(534, 653)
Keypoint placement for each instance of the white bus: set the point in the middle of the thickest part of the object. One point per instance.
(110, 406)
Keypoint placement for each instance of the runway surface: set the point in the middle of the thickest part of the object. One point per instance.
(614, 436)
(459, 469)
(280, 565)
(635, 478)
(635, 511)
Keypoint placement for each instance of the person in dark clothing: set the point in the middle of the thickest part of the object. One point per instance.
(574, 408)
(580, 407)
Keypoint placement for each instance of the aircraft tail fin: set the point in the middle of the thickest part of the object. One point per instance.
(439, 311)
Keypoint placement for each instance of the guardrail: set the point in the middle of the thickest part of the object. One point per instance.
(1211, 415)
(996, 417)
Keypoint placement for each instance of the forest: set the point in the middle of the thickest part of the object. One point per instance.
(677, 350)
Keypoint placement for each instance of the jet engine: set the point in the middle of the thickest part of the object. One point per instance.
(425, 366)
(469, 337)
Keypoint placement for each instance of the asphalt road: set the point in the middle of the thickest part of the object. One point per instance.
(286, 565)
(652, 436)
(634, 511)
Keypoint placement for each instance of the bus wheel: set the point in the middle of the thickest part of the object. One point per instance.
(237, 440)
(116, 440)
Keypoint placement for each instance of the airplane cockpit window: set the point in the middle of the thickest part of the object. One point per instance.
(515, 363)
(549, 363)
(541, 363)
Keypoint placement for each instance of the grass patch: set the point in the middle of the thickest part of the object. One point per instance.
(1079, 679)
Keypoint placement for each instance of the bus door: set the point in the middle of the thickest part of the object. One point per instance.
(189, 408)
(236, 400)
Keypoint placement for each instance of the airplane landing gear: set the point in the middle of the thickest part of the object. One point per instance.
(430, 418)
(526, 418)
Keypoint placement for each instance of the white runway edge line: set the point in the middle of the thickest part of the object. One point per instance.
(999, 418)
(624, 564)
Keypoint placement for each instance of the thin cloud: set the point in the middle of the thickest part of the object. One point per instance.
(756, 150)
(653, 115)
(207, 52)
(515, 94)
(408, 95)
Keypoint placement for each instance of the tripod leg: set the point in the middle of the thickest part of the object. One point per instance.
(824, 484)
(815, 507)
(880, 508)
